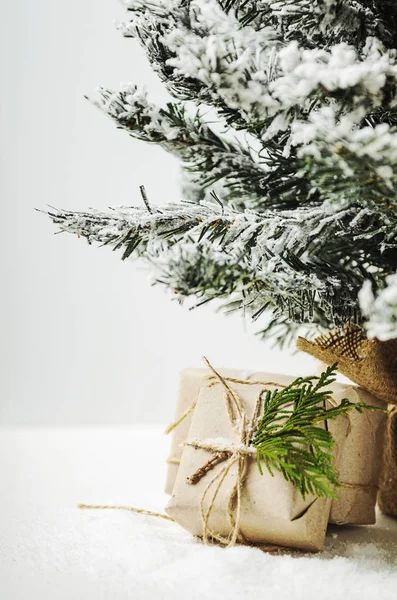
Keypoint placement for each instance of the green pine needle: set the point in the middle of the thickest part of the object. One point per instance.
(292, 436)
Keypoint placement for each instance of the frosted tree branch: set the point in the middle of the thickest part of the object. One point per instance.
(381, 310)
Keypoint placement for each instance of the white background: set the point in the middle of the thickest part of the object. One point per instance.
(84, 338)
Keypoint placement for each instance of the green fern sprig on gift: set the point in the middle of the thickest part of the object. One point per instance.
(292, 436)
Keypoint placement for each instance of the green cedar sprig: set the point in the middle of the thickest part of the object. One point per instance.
(292, 436)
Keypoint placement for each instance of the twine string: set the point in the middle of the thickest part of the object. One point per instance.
(139, 511)
(213, 381)
(233, 455)
(180, 420)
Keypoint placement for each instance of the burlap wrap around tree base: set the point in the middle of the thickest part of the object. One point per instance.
(371, 364)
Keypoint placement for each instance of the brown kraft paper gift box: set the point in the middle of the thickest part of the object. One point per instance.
(272, 510)
(362, 455)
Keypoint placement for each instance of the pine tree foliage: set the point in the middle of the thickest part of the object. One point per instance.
(321, 22)
(382, 310)
(293, 192)
(292, 436)
(190, 139)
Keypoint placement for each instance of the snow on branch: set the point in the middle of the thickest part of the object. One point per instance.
(244, 71)
(320, 22)
(347, 162)
(202, 151)
(205, 253)
(381, 310)
(307, 232)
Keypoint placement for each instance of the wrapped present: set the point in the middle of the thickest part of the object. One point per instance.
(219, 492)
(362, 442)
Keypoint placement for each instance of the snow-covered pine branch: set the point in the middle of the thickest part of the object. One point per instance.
(349, 164)
(198, 256)
(270, 87)
(254, 283)
(276, 260)
(262, 84)
(381, 311)
(149, 23)
(255, 75)
(363, 158)
(205, 154)
(321, 22)
(308, 232)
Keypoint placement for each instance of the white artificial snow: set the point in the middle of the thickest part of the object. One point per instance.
(51, 549)
(221, 444)
(239, 68)
(324, 132)
(246, 374)
(131, 103)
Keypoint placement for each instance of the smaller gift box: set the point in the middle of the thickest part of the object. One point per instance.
(387, 496)
(220, 493)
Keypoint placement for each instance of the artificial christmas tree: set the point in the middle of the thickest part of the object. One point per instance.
(289, 207)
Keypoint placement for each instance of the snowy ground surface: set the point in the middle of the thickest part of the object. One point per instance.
(50, 549)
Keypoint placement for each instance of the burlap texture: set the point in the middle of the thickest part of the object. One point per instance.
(369, 363)
(387, 497)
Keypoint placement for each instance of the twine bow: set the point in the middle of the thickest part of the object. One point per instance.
(232, 454)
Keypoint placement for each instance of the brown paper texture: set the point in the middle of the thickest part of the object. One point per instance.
(273, 511)
(361, 460)
(190, 381)
(362, 454)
